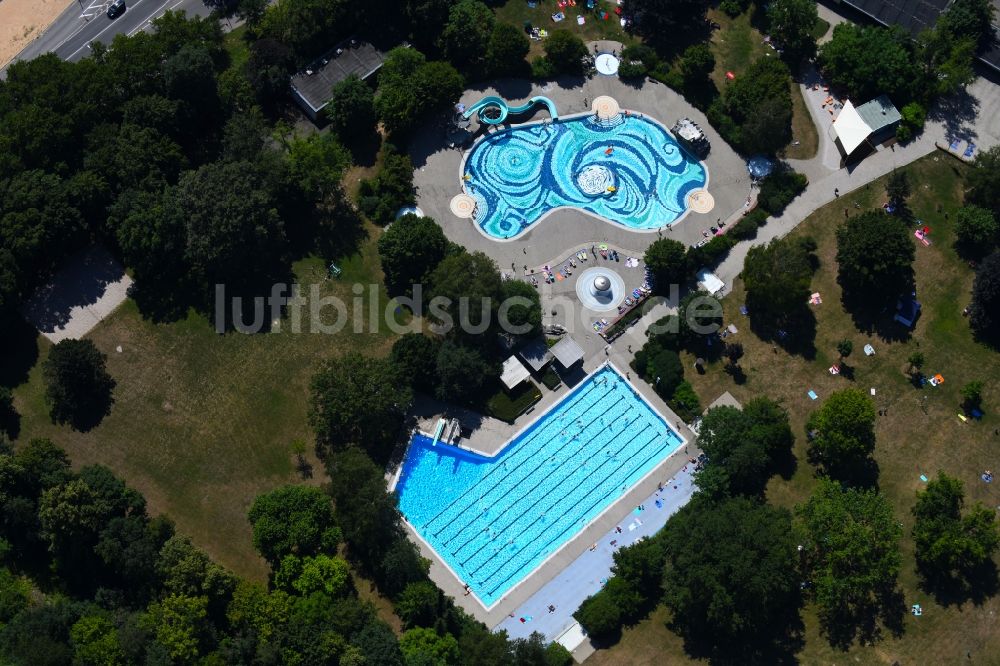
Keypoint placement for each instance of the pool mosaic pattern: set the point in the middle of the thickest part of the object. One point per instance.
(519, 174)
(494, 520)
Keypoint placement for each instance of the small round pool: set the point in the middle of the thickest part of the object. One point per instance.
(628, 170)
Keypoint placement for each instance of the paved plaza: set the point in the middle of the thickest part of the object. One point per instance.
(438, 178)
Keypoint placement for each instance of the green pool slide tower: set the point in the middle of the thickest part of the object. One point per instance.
(502, 109)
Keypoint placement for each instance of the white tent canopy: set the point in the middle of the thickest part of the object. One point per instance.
(710, 282)
(851, 128)
(513, 373)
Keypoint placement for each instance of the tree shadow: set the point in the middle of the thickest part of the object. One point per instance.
(363, 148)
(776, 647)
(958, 113)
(863, 621)
(975, 584)
(875, 316)
(18, 349)
(88, 418)
(796, 334)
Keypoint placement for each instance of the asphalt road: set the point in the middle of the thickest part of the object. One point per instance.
(86, 21)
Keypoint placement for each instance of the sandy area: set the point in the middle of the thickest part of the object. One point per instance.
(23, 20)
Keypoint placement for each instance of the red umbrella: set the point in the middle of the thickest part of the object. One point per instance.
(730, 76)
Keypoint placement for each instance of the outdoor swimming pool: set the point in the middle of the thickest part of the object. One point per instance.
(494, 520)
(519, 174)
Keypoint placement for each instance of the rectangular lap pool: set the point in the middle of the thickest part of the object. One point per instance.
(494, 520)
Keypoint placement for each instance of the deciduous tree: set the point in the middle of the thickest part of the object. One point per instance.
(351, 110)
(665, 258)
(874, 260)
(842, 434)
(952, 549)
(410, 250)
(78, 388)
(976, 231)
(852, 555)
(791, 23)
(984, 311)
(469, 28)
(722, 604)
(293, 520)
(357, 400)
(565, 51)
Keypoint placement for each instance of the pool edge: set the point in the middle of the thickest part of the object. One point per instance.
(533, 573)
(618, 225)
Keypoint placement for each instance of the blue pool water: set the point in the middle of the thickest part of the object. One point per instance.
(519, 174)
(493, 520)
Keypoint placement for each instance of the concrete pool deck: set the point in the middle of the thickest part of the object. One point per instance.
(437, 173)
(583, 577)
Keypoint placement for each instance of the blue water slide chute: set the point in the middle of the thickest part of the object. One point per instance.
(503, 109)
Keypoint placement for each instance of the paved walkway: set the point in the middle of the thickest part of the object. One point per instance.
(587, 574)
(89, 287)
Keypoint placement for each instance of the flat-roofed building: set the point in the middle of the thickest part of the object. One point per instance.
(312, 88)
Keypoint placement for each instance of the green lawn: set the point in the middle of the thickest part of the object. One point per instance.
(736, 45)
(920, 433)
(517, 12)
(204, 422)
(236, 46)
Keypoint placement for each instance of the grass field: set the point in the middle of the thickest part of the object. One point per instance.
(517, 12)
(920, 433)
(204, 422)
(736, 45)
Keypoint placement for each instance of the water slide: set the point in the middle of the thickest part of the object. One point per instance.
(492, 101)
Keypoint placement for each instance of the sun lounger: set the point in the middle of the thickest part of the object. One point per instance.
(923, 477)
(953, 146)
(558, 16)
(834, 370)
(962, 418)
(869, 350)
(812, 395)
(969, 150)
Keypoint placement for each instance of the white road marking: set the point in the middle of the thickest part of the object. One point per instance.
(95, 38)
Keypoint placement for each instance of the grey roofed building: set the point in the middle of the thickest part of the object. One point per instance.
(513, 372)
(313, 86)
(536, 354)
(881, 116)
(567, 352)
(915, 16)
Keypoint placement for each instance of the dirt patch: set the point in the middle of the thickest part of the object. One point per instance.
(23, 20)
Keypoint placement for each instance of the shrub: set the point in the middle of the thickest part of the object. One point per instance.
(391, 188)
(632, 69)
(685, 402)
(711, 253)
(976, 231)
(542, 68)
(778, 189)
(599, 615)
(912, 123)
(747, 227)
(732, 8)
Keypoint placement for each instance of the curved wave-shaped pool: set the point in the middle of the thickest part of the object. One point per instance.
(631, 172)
